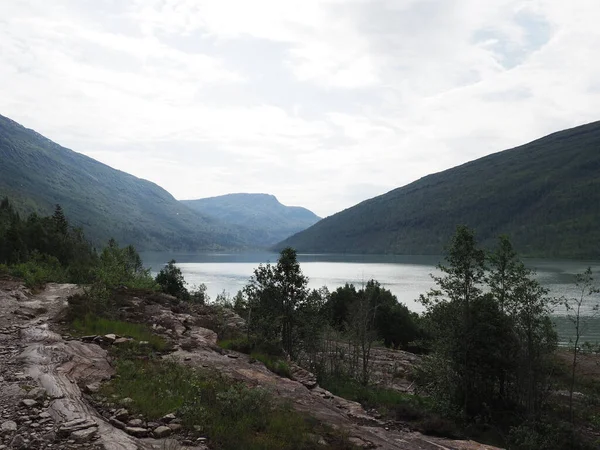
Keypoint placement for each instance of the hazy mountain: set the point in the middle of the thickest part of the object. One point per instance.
(36, 174)
(545, 195)
(269, 220)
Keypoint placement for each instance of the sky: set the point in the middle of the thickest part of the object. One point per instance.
(323, 103)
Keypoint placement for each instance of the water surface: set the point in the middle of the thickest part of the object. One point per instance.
(406, 276)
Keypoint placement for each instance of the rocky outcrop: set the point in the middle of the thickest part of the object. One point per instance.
(41, 372)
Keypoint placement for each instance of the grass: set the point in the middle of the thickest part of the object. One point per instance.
(231, 415)
(268, 353)
(418, 412)
(275, 365)
(93, 325)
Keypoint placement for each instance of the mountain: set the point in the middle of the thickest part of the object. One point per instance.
(36, 173)
(270, 220)
(545, 195)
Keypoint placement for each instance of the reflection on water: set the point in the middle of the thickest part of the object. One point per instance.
(406, 276)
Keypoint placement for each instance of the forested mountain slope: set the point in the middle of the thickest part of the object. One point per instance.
(36, 173)
(545, 195)
(263, 213)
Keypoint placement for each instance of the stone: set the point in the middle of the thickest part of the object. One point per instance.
(168, 418)
(92, 388)
(162, 432)
(121, 414)
(175, 427)
(117, 423)
(126, 401)
(29, 402)
(110, 338)
(137, 432)
(8, 427)
(89, 338)
(135, 423)
(121, 340)
(84, 435)
(37, 393)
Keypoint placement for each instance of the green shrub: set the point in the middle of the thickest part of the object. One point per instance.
(39, 270)
(93, 325)
(248, 346)
(275, 365)
(232, 415)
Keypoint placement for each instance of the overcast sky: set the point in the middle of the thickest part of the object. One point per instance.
(321, 103)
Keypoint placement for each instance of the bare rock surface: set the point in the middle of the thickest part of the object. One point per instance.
(40, 365)
(35, 361)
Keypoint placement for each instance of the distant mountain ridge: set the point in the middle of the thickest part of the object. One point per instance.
(545, 195)
(36, 173)
(270, 220)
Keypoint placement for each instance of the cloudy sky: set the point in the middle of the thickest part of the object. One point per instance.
(323, 103)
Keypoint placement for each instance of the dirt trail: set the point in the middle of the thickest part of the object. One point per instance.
(41, 371)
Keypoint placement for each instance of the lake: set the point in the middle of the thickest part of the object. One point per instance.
(405, 276)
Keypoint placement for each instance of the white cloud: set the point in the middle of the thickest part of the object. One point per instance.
(323, 103)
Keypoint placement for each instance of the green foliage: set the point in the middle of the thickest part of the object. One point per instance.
(171, 281)
(230, 414)
(545, 195)
(274, 294)
(122, 267)
(93, 325)
(490, 351)
(42, 249)
(394, 324)
(253, 345)
(275, 365)
(39, 270)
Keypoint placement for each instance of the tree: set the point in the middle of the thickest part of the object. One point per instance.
(458, 289)
(122, 267)
(274, 294)
(586, 289)
(171, 281)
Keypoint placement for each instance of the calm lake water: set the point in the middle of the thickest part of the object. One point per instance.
(405, 276)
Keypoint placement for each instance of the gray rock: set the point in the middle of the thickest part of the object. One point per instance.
(84, 435)
(122, 414)
(168, 418)
(162, 432)
(135, 423)
(8, 427)
(29, 402)
(37, 393)
(117, 423)
(175, 427)
(137, 432)
(110, 338)
(126, 401)
(92, 388)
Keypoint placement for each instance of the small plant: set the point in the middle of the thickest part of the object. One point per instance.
(93, 325)
(231, 415)
(275, 365)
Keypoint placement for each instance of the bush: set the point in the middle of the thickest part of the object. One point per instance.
(171, 281)
(93, 325)
(232, 415)
(250, 345)
(275, 365)
(39, 270)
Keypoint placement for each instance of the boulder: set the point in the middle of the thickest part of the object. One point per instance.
(162, 432)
